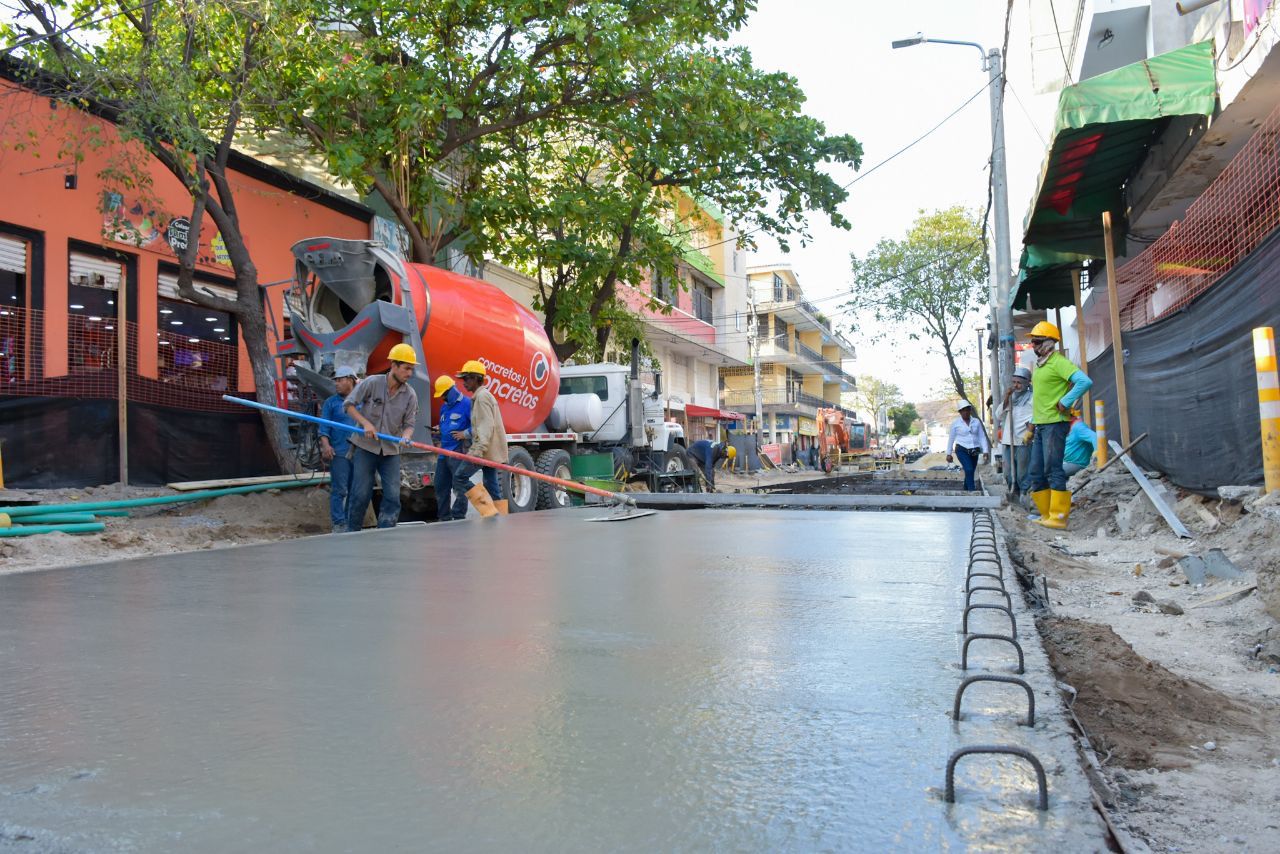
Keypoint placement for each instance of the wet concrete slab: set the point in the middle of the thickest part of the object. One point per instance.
(728, 680)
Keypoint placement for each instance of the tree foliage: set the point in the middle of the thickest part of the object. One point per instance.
(874, 395)
(924, 286)
(586, 208)
(902, 418)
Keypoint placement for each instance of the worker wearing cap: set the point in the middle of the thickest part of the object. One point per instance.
(967, 440)
(382, 403)
(1016, 444)
(455, 434)
(707, 453)
(488, 441)
(334, 446)
(1056, 385)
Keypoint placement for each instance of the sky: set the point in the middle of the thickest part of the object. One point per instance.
(839, 51)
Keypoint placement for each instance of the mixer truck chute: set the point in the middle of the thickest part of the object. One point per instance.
(351, 301)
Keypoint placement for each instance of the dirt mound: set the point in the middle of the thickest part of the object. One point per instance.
(1134, 709)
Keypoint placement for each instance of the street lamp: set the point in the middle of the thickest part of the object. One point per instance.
(1001, 276)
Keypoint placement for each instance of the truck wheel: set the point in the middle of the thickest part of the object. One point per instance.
(521, 492)
(677, 459)
(555, 463)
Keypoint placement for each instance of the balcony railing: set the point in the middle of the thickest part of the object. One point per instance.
(809, 353)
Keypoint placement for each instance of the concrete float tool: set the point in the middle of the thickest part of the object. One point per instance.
(625, 507)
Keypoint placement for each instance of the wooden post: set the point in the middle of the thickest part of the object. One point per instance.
(1057, 321)
(122, 375)
(1117, 344)
(1084, 356)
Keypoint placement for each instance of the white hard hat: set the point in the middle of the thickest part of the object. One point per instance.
(345, 371)
(963, 405)
(1020, 371)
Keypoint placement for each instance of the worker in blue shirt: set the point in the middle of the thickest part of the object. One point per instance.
(706, 454)
(334, 447)
(455, 435)
(1080, 447)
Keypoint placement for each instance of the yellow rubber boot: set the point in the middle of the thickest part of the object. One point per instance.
(1059, 510)
(479, 498)
(501, 504)
(1041, 499)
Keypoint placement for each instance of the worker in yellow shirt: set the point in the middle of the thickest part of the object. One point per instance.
(1056, 385)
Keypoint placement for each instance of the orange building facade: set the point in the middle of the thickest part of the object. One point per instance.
(89, 222)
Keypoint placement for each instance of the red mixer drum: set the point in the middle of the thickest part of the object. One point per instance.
(346, 320)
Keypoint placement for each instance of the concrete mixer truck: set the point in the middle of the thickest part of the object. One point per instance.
(351, 301)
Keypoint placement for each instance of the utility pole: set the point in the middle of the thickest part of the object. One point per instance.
(1002, 308)
(753, 333)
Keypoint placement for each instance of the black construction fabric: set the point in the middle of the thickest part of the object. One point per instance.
(1191, 380)
(53, 442)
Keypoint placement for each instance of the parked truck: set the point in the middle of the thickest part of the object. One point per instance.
(351, 301)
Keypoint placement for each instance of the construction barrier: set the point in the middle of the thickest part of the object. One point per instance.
(1100, 419)
(1264, 358)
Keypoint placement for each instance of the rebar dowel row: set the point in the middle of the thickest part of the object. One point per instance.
(1041, 783)
(972, 590)
(981, 606)
(991, 677)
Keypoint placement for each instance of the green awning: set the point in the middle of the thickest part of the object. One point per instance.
(1101, 134)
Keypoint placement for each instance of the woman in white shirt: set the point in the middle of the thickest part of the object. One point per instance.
(967, 440)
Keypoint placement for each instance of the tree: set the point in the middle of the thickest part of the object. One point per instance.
(903, 418)
(925, 285)
(971, 390)
(176, 78)
(874, 395)
(587, 208)
(404, 102)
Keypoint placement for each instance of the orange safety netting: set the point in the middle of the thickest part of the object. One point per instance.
(190, 373)
(1229, 220)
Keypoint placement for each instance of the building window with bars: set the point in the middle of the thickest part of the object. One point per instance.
(664, 287)
(702, 303)
(779, 289)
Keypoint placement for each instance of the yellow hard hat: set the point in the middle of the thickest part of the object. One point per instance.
(443, 384)
(731, 452)
(1045, 329)
(403, 353)
(473, 367)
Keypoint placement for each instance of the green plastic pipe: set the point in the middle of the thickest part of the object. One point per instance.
(28, 530)
(95, 506)
(55, 519)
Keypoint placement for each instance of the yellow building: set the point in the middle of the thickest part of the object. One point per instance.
(804, 362)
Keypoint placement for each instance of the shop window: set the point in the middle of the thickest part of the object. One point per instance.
(196, 346)
(13, 309)
(91, 313)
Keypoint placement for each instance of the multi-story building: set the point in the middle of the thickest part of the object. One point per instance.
(804, 362)
(701, 327)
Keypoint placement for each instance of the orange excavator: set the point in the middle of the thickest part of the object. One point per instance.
(841, 440)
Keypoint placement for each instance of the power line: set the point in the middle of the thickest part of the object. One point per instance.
(891, 157)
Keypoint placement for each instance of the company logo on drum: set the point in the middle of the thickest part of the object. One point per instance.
(539, 370)
(506, 384)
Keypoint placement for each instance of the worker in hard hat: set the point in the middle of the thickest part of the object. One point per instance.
(335, 445)
(381, 403)
(1056, 385)
(488, 441)
(707, 453)
(1080, 446)
(455, 435)
(1015, 441)
(967, 440)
